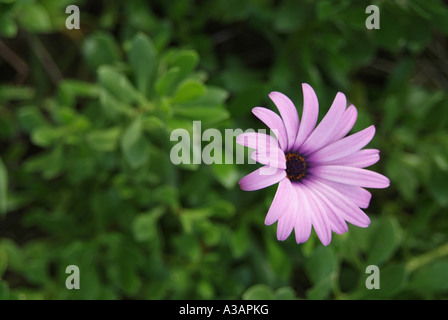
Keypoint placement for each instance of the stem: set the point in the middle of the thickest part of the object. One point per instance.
(423, 259)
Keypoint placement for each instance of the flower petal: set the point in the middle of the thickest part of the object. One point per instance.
(344, 147)
(274, 122)
(359, 196)
(256, 140)
(309, 115)
(287, 220)
(346, 124)
(273, 157)
(319, 219)
(350, 211)
(360, 159)
(334, 217)
(353, 176)
(279, 205)
(289, 115)
(303, 225)
(262, 178)
(322, 134)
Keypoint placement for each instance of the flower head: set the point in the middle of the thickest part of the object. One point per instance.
(319, 170)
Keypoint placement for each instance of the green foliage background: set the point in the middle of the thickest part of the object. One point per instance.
(85, 121)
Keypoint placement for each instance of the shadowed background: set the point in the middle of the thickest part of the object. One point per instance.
(85, 173)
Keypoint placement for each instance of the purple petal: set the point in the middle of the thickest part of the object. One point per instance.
(323, 132)
(262, 178)
(337, 223)
(256, 140)
(344, 147)
(287, 220)
(346, 124)
(359, 196)
(289, 115)
(360, 159)
(280, 203)
(319, 219)
(351, 212)
(273, 157)
(302, 226)
(309, 115)
(353, 176)
(274, 122)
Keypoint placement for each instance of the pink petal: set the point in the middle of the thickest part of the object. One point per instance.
(287, 220)
(335, 217)
(302, 226)
(319, 219)
(344, 147)
(323, 132)
(359, 196)
(262, 178)
(309, 115)
(280, 203)
(289, 115)
(360, 159)
(256, 140)
(273, 157)
(346, 124)
(353, 176)
(274, 122)
(350, 211)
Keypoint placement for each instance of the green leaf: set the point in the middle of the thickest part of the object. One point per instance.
(384, 241)
(99, 49)
(189, 90)
(258, 292)
(210, 115)
(285, 293)
(393, 279)
(114, 108)
(240, 241)
(185, 60)
(278, 259)
(8, 28)
(321, 267)
(3, 187)
(10, 92)
(134, 145)
(34, 18)
(143, 61)
(190, 217)
(117, 84)
(321, 263)
(226, 174)
(31, 118)
(212, 97)
(431, 278)
(325, 9)
(291, 15)
(46, 136)
(12, 254)
(48, 163)
(144, 226)
(438, 186)
(104, 140)
(70, 89)
(402, 175)
(4, 290)
(167, 83)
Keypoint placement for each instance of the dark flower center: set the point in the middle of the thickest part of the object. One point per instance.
(295, 166)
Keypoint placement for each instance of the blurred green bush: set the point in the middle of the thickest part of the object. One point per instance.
(85, 122)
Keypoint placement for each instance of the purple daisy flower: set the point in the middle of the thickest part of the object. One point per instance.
(319, 170)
